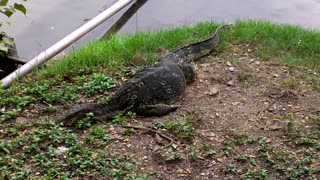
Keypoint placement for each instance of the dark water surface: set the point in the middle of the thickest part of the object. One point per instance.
(49, 21)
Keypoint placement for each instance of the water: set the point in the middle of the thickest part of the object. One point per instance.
(49, 21)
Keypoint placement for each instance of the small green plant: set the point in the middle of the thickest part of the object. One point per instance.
(231, 168)
(209, 153)
(119, 119)
(5, 146)
(291, 84)
(261, 173)
(100, 83)
(181, 128)
(47, 92)
(174, 156)
(98, 136)
(245, 158)
(228, 146)
(292, 126)
(130, 114)
(85, 122)
(128, 132)
(11, 132)
(316, 119)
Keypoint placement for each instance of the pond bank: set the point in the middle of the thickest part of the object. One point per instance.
(44, 26)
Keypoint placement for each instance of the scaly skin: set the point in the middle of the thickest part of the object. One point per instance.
(194, 51)
(148, 93)
(152, 91)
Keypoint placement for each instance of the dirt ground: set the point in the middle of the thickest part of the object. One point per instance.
(234, 95)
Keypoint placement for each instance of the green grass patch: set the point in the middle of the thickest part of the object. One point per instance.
(180, 127)
(120, 51)
(55, 152)
(247, 77)
(292, 44)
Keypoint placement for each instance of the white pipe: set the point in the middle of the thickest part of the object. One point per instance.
(65, 42)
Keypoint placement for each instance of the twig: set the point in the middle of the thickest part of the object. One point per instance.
(17, 60)
(149, 129)
(286, 93)
(270, 104)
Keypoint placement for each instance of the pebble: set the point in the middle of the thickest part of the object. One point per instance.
(230, 83)
(212, 91)
(231, 68)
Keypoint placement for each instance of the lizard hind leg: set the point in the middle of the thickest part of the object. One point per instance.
(189, 71)
(155, 110)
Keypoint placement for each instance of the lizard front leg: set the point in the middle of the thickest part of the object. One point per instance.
(155, 110)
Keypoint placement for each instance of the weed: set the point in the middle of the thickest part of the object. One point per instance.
(181, 128)
(228, 146)
(261, 173)
(292, 127)
(85, 122)
(130, 114)
(209, 153)
(316, 119)
(231, 168)
(49, 93)
(119, 119)
(314, 82)
(288, 43)
(174, 156)
(246, 77)
(290, 84)
(98, 136)
(198, 150)
(100, 83)
(127, 132)
(10, 132)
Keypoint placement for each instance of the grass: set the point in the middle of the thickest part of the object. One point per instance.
(291, 44)
(43, 150)
(126, 50)
(246, 77)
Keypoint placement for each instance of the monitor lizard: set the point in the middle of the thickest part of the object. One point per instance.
(153, 90)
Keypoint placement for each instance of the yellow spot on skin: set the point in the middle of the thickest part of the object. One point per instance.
(134, 97)
(175, 74)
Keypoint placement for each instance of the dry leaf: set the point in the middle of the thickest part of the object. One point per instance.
(220, 160)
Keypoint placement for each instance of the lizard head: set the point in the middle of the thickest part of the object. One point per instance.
(189, 71)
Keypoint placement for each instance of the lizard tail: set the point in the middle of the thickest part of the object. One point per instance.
(194, 51)
(80, 111)
(223, 28)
